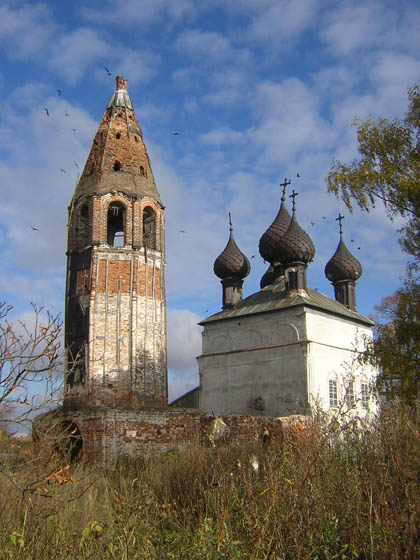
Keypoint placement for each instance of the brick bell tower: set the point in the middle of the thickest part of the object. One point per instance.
(115, 317)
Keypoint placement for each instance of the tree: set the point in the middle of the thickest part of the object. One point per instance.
(395, 348)
(30, 364)
(389, 170)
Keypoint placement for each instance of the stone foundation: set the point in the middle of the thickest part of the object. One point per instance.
(104, 434)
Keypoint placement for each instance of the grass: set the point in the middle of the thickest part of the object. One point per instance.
(327, 492)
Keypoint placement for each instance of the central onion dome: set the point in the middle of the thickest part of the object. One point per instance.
(269, 242)
(343, 265)
(295, 245)
(231, 262)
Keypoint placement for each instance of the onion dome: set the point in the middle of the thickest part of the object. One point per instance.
(231, 262)
(343, 265)
(268, 277)
(296, 245)
(270, 240)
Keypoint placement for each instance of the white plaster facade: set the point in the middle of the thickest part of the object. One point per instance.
(280, 361)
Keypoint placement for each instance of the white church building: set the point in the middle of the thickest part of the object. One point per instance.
(286, 349)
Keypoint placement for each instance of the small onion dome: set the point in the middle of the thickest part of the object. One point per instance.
(296, 245)
(342, 265)
(269, 241)
(231, 262)
(268, 277)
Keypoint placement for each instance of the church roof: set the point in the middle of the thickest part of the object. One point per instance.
(343, 265)
(275, 297)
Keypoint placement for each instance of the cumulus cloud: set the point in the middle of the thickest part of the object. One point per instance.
(127, 13)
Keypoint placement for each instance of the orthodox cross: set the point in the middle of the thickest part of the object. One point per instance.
(340, 219)
(284, 185)
(293, 196)
(230, 222)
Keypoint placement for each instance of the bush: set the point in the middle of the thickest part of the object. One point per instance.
(327, 492)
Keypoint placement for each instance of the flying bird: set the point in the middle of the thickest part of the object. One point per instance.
(176, 134)
(324, 217)
(358, 248)
(253, 257)
(182, 231)
(66, 114)
(75, 163)
(74, 130)
(34, 228)
(297, 175)
(312, 224)
(59, 92)
(107, 71)
(63, 170)
(46, 110)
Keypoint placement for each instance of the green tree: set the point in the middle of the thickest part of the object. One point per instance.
(395, 348)
(389, 170)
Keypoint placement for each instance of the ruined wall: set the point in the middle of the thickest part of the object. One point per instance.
(109, 433)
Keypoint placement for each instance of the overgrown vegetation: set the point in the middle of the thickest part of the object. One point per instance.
(326, 492)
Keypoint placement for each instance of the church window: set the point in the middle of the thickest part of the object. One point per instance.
(136, 138)
(118, 135)
(115, 225)
(117, 165)
(350, 394)
(364, 394)
(333, 392)
(143, 171)
(149, 228)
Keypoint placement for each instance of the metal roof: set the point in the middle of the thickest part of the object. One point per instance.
(275, 297)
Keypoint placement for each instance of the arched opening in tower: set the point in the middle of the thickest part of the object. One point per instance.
(69, 441)
(149, 228)
(115, 225)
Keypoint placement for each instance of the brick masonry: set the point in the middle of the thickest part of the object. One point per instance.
(108, 433)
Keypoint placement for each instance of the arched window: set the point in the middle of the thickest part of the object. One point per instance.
(115, 225)
(149, 228)
(117, 166)
(142, 171)
(118, 135)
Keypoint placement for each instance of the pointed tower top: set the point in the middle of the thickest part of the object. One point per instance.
(118, 160)
(120, 97)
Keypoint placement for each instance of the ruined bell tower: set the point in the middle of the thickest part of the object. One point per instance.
(115, 315)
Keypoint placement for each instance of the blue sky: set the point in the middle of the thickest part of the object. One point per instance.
(258, 91)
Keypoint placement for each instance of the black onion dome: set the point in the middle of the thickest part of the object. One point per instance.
(268, 277)
(342, 265)
(269, 241)
(231, 262)
(296, 245)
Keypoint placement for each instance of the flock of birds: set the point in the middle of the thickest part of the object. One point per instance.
(174, 134)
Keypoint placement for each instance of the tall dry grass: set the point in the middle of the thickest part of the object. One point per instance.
(327, 492)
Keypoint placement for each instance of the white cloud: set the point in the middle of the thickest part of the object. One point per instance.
(282, 22)
(26, 31)
(72, 53)
(209, 46)
(127, 13)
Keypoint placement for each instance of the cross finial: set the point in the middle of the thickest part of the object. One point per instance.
(284, 185)
(340, 219)
(293, 196)
(230, 222)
